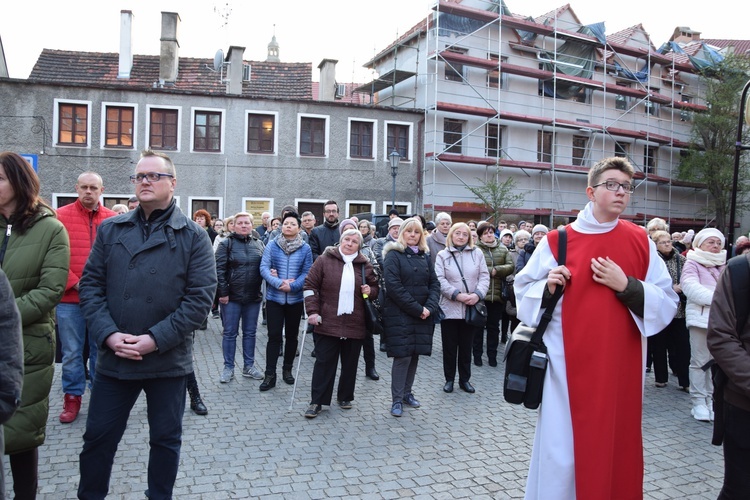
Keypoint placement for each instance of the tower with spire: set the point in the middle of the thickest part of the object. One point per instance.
(273, 48)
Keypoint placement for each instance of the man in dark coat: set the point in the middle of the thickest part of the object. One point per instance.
(148, 284)
(327, 234)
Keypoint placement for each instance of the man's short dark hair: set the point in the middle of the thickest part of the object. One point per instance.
(331, 202)
(393, 211)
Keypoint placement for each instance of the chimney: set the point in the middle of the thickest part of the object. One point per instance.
(327, 88)
(126, 45)
(234, 73)
(170, 47)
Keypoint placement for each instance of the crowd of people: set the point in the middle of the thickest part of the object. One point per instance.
(129, 287)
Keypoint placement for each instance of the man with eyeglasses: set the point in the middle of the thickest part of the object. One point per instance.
(617, 292)
(326, 234)
(148, 284)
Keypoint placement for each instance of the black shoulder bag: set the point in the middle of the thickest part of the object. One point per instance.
(373, 316)
(526, 354)
(476, 315)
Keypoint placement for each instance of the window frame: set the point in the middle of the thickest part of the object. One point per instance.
(455, 72)
(650, 160)
(453, 139)
(373, 136)
(275, 132)
(497, 151)
(178, 109)
(326, 132)
(578, 160)
(622, 149)
(496, 79)
(409, 137)
(541, 146)
(194, 111)
(349, 213)
(57, 128)
(106, 106)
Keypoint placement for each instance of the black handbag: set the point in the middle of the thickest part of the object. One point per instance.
(373, 315)
(476, 315)
(525, 353)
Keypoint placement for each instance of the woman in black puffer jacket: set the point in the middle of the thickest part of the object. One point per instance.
(410, 309)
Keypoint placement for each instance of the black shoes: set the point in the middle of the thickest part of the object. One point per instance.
(313, 410)
(466, 386)
(196, 404)
(492, 362)
(286, 375)
(345, 405)
(448, 387)
(477, 361)
(372, 374)
(269, 382)
(313, 353)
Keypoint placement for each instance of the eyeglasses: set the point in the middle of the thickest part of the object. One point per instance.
(665, 243)
(614, 186)
(150, 176)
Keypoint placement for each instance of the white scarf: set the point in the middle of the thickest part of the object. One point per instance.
(586, 223)
(346, 292)
(707, 259)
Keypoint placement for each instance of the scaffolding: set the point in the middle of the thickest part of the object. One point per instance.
(544, 99)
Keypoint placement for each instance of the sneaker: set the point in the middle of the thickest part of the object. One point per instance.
(397, 409)
(215, 315)
(71, 407)
(345, 405)
(252, 372)
(701, 413)
(227, 374)
(313, 410)
(410, 400)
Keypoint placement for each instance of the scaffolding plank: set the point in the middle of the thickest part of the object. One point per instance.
(384, 81)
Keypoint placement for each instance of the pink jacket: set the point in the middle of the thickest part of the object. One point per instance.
(698, 283)
(475, 272)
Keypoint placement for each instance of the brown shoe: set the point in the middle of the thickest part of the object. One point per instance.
(71, 407)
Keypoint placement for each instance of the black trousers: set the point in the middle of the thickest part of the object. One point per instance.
(286, 318)
(458, 338)
(328, 352)
(736, 453)
(24, 467)
(368, 351)
(494, 314)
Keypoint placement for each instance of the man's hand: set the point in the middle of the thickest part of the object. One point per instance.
(557, 276)
(129, 346)
(608, 273)
(224, 300)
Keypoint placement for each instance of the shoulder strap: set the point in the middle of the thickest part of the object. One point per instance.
(562, 250)
(739, 270)
(461, 272)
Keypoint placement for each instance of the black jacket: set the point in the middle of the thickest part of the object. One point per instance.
(411, 284)
(238, 268)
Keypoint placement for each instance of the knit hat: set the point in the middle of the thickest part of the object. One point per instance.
(396, 221)
(504, 232)
(346, 223)
(704, 234)
(538, 228)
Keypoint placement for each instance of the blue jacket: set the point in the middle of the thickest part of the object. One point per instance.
(163, 285)
(294, 265)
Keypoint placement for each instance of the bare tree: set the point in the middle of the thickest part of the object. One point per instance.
(497, 195)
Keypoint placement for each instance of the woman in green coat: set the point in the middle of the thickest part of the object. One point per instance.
(35, 255)
(500, 265)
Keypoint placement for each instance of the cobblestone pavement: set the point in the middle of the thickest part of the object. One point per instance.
(458, 445)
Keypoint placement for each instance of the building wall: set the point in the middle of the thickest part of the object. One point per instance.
(230, 176)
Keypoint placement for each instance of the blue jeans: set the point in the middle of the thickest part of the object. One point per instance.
(231, 314)
(72, 327)
(111, 402)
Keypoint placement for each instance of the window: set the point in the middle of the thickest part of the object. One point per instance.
(496, 79)
(621, 102)
(73, 122)
(361, 135)
(359, 207)
(118, 128)
(207, 131)
(649, 159)
(652, 108)
(454, 71)
(621, 149)
(579, 149)
(209, 205)
(163, 129)
(398, 139)
(452, 134)
(261, 130)
(494, 140)
(544, 146)
(312, 136)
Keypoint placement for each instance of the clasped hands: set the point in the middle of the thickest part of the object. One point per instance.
(130, 346)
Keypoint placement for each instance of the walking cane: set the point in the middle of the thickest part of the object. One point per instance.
(299, 363)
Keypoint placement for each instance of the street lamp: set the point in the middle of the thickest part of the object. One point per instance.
(394, 158)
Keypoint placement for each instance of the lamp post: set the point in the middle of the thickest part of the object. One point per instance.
(394, 158)
(739, 148)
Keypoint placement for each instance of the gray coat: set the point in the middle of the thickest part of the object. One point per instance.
(164, 286)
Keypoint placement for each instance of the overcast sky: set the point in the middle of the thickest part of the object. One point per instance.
(351, 31)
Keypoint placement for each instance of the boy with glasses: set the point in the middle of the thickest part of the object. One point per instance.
(617, 292)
